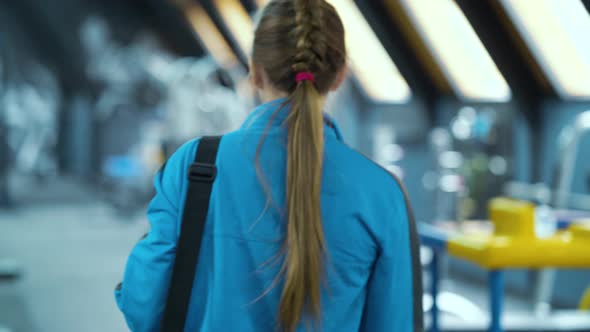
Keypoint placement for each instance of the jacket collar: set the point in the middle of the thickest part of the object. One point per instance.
(273, 115)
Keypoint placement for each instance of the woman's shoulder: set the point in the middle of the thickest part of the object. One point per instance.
(363, 170)
(378, 196)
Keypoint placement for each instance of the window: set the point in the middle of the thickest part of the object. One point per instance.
(210, 36)
(370, 62)
(261, 3)
(557, 33)
(457, 50)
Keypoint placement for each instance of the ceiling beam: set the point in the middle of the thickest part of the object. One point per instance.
(402, 53)
(506, 48)
(250, 5)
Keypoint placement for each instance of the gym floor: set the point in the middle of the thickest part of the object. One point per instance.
(71, 256)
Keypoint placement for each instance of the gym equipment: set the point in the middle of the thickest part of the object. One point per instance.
(170, 100)
(514, 244)
(469, 158)
(30, 101)
(569, 140)
(507, 242)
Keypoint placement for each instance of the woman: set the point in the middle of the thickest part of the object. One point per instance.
(302, 233)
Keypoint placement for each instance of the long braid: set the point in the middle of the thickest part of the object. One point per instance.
(305, 241)
(309, 35)
(295, 37)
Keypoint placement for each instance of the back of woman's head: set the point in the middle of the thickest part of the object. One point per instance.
(299, 44)
(296, 36)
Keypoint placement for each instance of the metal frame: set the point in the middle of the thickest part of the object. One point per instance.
(496, 294)
(180, 36)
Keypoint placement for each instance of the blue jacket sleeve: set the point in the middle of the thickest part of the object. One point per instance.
(389, 302)
(142, 295)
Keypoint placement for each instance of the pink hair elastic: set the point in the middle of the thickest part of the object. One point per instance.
(304, 76)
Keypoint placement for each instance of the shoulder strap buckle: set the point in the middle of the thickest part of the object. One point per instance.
(201, 172)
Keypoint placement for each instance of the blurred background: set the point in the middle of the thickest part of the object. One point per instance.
(463, 100)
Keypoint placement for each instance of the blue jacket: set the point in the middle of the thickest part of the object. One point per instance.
(372, 277)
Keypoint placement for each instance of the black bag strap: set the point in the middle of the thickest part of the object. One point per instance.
(201, 176)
